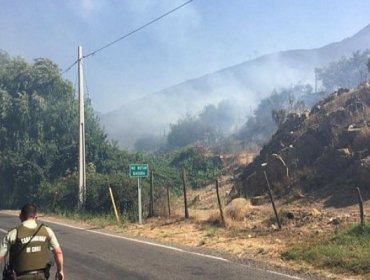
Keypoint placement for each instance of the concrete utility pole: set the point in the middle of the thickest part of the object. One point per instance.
(81, 153)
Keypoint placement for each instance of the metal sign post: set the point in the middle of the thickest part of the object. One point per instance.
(139, 200)
(139, 171)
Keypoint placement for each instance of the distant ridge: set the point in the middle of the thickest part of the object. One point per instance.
(245, 84)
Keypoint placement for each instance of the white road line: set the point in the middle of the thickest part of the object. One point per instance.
(281, 274)
(208, 256)
(163, 246)
(137, 240)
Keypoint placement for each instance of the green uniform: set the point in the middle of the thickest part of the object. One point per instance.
(35, 255)
(29, 253)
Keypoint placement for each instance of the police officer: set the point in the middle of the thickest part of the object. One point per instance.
(28, 246)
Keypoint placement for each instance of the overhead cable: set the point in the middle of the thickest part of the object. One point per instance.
(70, 67)
(129, 34)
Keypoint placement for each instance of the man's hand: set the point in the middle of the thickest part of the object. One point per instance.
(58, 256)
(59, 275)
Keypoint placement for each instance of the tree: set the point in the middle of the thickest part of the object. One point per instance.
(272, 111)
(39, 128)
(209, 127)
(346, 72)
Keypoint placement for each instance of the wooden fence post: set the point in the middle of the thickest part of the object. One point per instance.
(151, 199)
(185, 199)
(168, 202)
(361, 204)
(219, 204)
(272, 200)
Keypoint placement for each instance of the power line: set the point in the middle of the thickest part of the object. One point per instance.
(70, 67)
(137, 29)
(129, 34)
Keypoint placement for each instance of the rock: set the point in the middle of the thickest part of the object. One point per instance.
(345, 152)
(274, 227)
(315, 213)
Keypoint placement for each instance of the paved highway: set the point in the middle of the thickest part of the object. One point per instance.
(90, 254)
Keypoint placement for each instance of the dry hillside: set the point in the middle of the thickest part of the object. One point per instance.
(323, 153)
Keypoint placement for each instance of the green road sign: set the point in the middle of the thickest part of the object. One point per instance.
(139, 170)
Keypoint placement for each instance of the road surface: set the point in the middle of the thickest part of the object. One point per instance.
(94, 255)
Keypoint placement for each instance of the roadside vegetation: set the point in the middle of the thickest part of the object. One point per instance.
(347, 250)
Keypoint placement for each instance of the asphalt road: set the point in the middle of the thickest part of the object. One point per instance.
(90, 254)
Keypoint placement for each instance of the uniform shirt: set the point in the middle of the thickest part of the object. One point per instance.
(11, 237)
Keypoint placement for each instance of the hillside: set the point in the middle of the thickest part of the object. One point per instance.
(245, 84)
(324, 153)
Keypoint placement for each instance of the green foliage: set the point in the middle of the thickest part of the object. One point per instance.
(345, 251)
(200, 164)
(187, 131)
(208, 128)
(346, 72)
(38, 132)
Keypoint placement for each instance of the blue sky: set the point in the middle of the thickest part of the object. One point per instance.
(202, 37)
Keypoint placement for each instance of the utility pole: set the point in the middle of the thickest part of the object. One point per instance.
(81, 152)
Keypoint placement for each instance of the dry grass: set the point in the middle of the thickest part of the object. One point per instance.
(250, 231)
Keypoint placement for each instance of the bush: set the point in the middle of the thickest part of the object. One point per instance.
(200, 164)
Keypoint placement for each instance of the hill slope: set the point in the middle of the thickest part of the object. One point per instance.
(245, 84)
(325, 153)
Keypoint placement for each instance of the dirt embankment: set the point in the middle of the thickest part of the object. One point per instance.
(323, 153)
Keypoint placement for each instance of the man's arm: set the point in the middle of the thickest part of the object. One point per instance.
(58, 257)
(6, 243)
